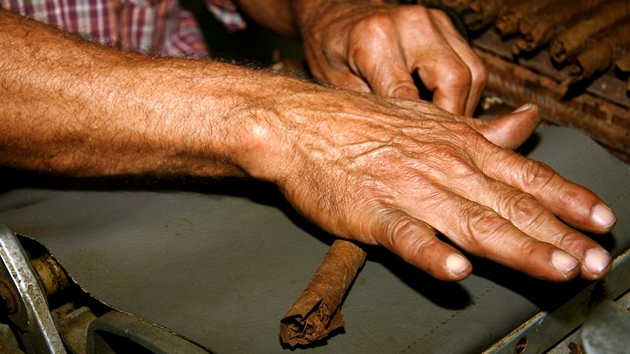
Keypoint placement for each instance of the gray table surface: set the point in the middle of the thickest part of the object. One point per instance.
(221, 266)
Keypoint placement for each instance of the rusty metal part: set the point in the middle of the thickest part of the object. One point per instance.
(8, 302)
(37, 330)
(73, 327)
(607, 123)
(53, 277)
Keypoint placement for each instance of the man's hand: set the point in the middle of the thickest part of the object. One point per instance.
(395, 172)
(375, 48)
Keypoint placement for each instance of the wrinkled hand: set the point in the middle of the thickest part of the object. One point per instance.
(393, 172)
(375, 48)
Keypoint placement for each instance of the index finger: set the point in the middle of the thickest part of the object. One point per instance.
(478, 72)
(449, 79)
(428, 52)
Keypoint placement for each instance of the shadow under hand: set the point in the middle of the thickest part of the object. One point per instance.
(544, 294)
(450, 295)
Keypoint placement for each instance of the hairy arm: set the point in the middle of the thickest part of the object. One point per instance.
(71, 106)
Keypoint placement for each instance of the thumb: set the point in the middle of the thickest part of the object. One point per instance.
(509, 131)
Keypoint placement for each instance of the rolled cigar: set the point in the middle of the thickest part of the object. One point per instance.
(316, 312)
(509, 19)
(624, 65)
(537, 29)
(571, 42)
(602, 54)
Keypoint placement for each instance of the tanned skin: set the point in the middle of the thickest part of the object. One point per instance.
(373, 46)
(385, 171)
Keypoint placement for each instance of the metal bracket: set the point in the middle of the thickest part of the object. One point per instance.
(543, 330)
(117, 332)
(24, 299)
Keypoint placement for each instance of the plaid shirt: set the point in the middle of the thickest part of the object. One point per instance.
(157, 27)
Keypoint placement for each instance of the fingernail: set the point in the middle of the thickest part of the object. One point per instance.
(596, 260)
(523, 108)
(456, 264)
(563, 261)
(603, 216)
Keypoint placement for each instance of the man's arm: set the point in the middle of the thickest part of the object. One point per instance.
(377, 170)
(371, 46)
(75, 107)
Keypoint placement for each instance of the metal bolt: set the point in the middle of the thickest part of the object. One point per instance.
(8, 304)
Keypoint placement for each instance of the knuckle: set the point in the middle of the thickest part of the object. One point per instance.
(482, 220)
(455, 74)
(419, 248)
(399, 231)
(452, 159)
(377, 26)
(403, 231)
(464, 170)
(522, 208)
(566, 240)
(536, 174)
(572, 197)
(485, 227)
(407, 240)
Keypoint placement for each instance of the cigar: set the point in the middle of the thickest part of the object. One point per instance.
(571, 42)
(537, 29)
(602, 54)
(509, 19)
(316, 312)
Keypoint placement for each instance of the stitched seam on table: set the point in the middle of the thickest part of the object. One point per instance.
(447, 321)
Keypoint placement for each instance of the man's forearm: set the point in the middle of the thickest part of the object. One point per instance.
(70, 106)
